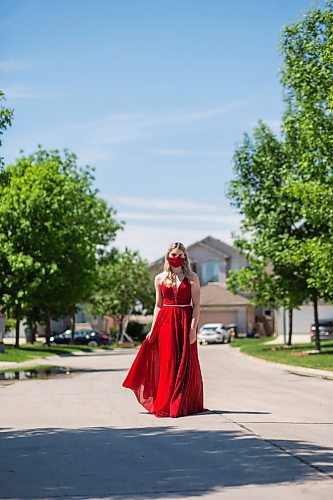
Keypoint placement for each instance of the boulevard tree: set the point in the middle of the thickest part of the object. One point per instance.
(307, 79)
(53, 228)
(283, 187)
(6, 117)
(123, 284)
(261, 167)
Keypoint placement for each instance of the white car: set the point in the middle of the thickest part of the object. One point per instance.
(213, 333)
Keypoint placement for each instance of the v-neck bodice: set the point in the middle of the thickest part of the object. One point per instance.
(177, 295)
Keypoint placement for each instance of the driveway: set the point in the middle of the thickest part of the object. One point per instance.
(268, 435)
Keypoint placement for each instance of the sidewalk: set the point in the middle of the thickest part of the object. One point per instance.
(297, 338)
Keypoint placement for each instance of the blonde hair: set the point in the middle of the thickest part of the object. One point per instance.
(170, 279)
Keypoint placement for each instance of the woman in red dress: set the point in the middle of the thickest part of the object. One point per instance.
(165, 375)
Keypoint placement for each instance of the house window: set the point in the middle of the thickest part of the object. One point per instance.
(210, 271)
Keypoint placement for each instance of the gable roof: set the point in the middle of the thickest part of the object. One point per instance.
(215, 244)
(211, 243)
(216, 294)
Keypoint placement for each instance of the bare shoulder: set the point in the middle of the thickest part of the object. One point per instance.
(159, 278)
(195, 278)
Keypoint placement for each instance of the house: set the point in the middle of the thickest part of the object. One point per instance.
(303, 316)
(212, 260)
(219, 305)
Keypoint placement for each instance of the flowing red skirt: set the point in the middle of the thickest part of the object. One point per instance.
(165, 375)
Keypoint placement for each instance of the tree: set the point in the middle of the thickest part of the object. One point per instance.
(53, 227)
(261, 167)
(123, 283)
(307, 76)
(279, 288)
(283, 187)
(6, 116)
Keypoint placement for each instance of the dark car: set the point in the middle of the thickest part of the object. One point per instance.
(325, 330)
(92, 338)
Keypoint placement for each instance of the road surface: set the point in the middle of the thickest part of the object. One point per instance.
(268, 435)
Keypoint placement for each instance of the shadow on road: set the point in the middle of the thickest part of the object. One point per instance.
(147, 461)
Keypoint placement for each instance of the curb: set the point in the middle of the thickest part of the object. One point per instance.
(30, 362)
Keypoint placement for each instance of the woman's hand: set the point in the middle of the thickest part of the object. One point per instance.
(149, 334)
(193, 335)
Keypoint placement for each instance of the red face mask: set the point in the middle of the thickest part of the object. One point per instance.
(176, 261)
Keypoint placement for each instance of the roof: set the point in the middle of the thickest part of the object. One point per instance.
(216, 294)
(210, 242)
(216, 244)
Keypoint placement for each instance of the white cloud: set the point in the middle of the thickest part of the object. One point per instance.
(93, 156)
(19, 91)
(153, 241)
(12, 65)
(273, 124)
(128, 127)
(169, 204)
(190, 152)
(218, 218)
(170, 219)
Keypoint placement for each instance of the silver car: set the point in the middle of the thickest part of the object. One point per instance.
(213, 333)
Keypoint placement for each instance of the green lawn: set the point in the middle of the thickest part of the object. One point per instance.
(297, 355)
(39, 350)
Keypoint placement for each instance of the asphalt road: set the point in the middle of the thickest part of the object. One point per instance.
(268, 435)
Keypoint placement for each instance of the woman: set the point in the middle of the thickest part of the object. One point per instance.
(165, 375)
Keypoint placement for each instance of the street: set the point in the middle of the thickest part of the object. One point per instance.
(269, 434)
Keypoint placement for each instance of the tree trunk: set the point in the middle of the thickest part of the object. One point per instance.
(73, 328)
(120, 328)
(316, 320)
(48, 326)
(17, 327)
(33, 332)
(290, 329)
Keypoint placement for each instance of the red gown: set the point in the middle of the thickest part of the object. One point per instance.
(165, 375)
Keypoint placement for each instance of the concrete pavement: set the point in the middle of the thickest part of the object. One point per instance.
(269, 434)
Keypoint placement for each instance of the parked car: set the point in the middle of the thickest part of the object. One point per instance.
(92, 338)
(325, 330)
(213, 333)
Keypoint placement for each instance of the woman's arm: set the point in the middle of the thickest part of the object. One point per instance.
(195, 290)
(158, 302)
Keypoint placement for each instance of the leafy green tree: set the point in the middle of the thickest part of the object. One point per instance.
(53, 227)
(123, 284)
(278, 288)
(6, 117)
(283, 187)
(307, 79)
(261, 167)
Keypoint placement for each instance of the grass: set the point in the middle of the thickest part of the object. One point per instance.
(39, 350)
(297, 355)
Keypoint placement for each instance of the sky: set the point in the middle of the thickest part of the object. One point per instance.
(154, 94)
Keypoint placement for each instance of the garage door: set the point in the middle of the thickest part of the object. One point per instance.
(224, 317)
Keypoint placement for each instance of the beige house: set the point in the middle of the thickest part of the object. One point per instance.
(219, 305)
(212, 260)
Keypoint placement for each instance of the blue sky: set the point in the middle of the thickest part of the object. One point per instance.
(154, 94)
